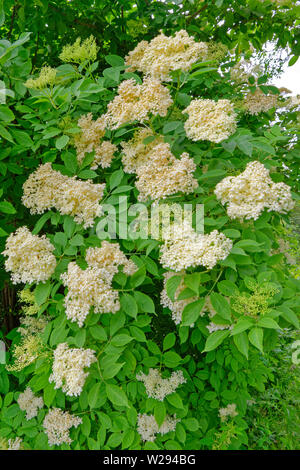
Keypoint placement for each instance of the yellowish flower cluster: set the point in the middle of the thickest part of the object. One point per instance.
(216, 51)
(25, 353)
(80, 52)
(258, 102)
(159, 388)
(249, 193)
(90, 139)
(164, 54)
(32, 325)
(29, 307)
(186, 248)
(57, 424)
(92, 286)
(210, 120)
(30, 257)
(15, 444)
(28, 402)
(68, 368)
(230, 410)
(136, 102)
(163, 175)
(47, 77)
(148, 427)
(255, 304)
(135, 151)
(176, 306)
(46, 188)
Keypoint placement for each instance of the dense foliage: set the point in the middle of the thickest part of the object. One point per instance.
(208, 341)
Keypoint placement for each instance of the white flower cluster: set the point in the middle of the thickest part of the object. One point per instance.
(92, 286)
(148, 427)
(135, 102)
(230, 410)
(135, 151)
(32, 325)
(28, 402)
(46, 188)
(249, 193)
(210, 120)
(68, 368)
(30, 257)
(159, 388)
(57, 424)
(90, 138)
(185, 248)
(176, 306)
(257, 102)
(163, 175)
(14, 444)
(165, 54)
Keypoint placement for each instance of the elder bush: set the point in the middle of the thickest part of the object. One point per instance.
(133, 343)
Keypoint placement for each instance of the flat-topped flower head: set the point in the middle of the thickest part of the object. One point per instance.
(29, 257)
(250, 193)
(210, 120)
(165, 54)
(57, 425)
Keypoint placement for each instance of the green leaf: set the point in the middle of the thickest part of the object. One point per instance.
(114, 60)
(5, 134)
(85, 425)
(171, 359)
(193, 282)
(129, 305)
(175, 400)
(116, 395)
(61, 142)
(215, 339)
(42, 292)
(98, 333)
(256, 337)
(242, 343)
(6, 114)
(22, 138)
(70, 161)
(145, 303)
(241, 325)
(227, 288)
(192, 311)
(87, 174)
(267, 322)
(220, 305)
(121, 340)
(169, 341)
(116, 178)
(93, 395)
(7, 208)
(172, 285)
(77, 240)
(49, 394)
(160, 413)
(289, 315)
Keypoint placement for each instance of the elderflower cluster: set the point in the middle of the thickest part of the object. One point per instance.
(163, 175)
(255, 304)
(46, 188)
(159, 388)
(29, 307)
(28, 402)
(15, 444)
(80, 52)
(57, 424)
(186, 248)
(258, 102)
(92, 286)
(90, 139)
(135, 102)
(47, 77)
(26, 352)
(164, 54)
(147, 426)
(249, 193)
(210, 120)
(68, 368)
(32, 325)
(176, 306)
(230, 410)
(136, 151)
(30, 257)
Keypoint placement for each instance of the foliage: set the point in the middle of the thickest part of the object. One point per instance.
(40, 125)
